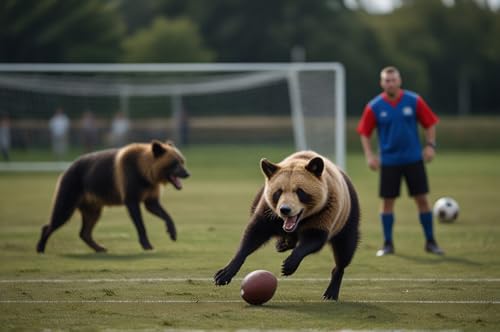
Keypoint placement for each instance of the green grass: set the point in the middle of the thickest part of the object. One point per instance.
(410, 290)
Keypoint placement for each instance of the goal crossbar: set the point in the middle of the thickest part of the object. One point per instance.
(262, 73)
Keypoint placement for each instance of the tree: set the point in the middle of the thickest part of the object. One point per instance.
(165, 40)
(465, 32)
(446, 52)
(267, 31)
(405, 40)
(59, 31)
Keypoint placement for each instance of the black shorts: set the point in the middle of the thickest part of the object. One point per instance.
(415, 177)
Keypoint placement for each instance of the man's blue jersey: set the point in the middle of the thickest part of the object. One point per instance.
(397, 126)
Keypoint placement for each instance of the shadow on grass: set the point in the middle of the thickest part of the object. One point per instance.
(440, 260)
(361, 313)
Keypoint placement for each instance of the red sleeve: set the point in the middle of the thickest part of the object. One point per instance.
(367, 122)
(425, 116)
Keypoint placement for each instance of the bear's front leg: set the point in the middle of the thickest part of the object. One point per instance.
(135, 213)
(153, 206)
(310, 241)
(258, 232)
(286, 242)
(226, 274)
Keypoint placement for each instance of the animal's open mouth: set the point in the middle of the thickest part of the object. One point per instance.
(175, 181)
(291, 223)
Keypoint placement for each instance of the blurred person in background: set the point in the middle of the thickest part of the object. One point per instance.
(89, 131)
(396, 114)
(120, 126)
(59, 125)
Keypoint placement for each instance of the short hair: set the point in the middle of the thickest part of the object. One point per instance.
(389, 70)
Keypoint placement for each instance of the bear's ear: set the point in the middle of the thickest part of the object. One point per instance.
(268, 168)
(316, 166)
(157, 148)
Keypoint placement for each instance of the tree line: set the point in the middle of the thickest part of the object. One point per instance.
(448, 51)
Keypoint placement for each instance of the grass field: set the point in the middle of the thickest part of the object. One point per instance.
(170, 288)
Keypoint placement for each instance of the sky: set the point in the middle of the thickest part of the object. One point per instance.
(384, 6)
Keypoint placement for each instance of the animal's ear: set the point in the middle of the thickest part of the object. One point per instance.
(157, 148)
(170, 142)
(268, 168)
(316, 166)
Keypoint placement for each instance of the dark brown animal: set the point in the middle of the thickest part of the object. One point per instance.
(125, 176)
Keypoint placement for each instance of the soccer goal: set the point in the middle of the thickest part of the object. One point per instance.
(295, 103)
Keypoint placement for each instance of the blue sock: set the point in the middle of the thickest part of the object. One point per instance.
(426, 221)
(387, 222)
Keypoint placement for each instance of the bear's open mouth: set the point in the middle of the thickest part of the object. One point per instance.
(291, 223)
(175, 181)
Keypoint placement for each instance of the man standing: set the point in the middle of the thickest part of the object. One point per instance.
(396, 114)
(59, 125)
(120, 126)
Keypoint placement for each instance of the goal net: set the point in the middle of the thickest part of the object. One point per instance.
(267, 103)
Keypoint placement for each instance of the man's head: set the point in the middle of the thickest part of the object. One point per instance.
(390, 81)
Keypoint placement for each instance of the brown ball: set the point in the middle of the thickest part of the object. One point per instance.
(258, 287)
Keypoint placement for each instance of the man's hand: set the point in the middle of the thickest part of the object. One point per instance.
(371, 158)
(428, 153)
(373, 162)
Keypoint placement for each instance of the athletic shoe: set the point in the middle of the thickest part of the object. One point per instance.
(387, 249)
(432, 247)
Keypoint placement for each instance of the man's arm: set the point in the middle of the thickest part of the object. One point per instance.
(430, 143)
(371, 159)
(365, 127)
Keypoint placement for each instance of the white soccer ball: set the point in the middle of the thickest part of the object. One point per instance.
(446, 209)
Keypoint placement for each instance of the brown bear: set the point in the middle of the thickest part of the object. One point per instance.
(129, 176)
(306, 202)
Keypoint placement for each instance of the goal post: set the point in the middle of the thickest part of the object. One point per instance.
(315, 92)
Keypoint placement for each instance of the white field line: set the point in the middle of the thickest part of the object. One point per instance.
(143, 301)
(153, 280)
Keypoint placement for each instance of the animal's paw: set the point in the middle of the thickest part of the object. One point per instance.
(40, 248)
(330, 297)
(223, 276)
(284, 243)
(100, 249)
(172, 232)
(331, 293)
(289, 265)
(146, 245)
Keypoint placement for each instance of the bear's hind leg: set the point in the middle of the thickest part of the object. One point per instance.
(90, 216)
(332, 292)
(343, 257)
(344, 245)
(64, 206)
(46, 231)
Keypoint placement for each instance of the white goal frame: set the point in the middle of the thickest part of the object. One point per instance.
(291, 70)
